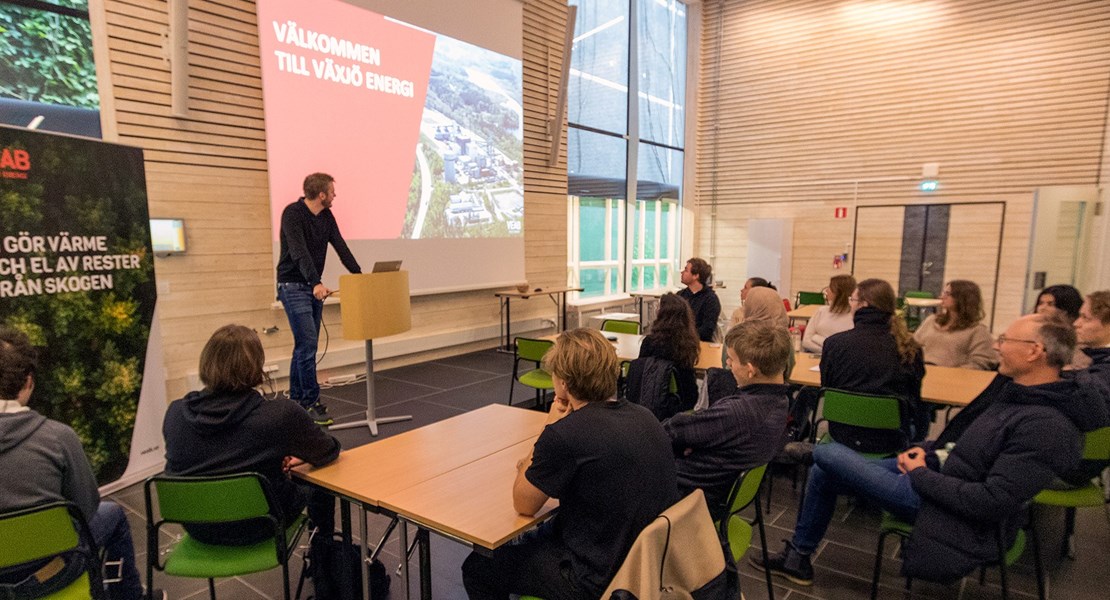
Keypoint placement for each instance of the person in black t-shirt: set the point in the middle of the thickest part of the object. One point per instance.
(703, 300)
(307, 227)
(608, 462)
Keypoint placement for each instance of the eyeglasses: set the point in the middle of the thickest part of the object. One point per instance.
(1002, 339)
(854, 299)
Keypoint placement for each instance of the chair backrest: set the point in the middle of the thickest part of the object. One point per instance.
(810, 298)
(56, 529)
(214, 499)
(38, 532)
(531, 349)
(1096, 445)
(745, 489)
(919, 294)
(678, 551)
(617, 326)
(862, 410)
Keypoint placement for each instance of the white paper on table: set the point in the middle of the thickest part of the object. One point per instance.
(815, 368)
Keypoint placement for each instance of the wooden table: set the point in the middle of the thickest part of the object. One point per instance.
(804, 312)
(371, 474)
(628, 348)
(558, 295)
(950, 386)
(473, 503)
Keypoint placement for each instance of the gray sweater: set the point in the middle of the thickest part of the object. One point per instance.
(43, 461)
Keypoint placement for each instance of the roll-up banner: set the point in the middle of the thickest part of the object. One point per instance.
(77, 276)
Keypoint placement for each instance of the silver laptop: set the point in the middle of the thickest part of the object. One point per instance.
(386, 266)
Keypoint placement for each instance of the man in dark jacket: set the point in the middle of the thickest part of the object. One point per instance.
(1092, 329)
(957, 497)
(739, 432)
(228, 427)
(703, 300)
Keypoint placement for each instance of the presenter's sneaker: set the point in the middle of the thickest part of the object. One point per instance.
(319, 414)
(788, 564)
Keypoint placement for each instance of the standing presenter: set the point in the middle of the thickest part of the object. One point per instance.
(307, 227)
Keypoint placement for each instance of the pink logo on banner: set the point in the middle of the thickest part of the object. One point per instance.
(343, 91)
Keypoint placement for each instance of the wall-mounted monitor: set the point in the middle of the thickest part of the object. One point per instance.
(167, 236)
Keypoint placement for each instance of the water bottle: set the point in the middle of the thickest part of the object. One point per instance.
(796, 337)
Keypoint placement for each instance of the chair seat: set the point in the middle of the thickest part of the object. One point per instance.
(77, 590)
(895, 525)
(537, 378)
(193, 558)
(1088, 495)
(892, 524)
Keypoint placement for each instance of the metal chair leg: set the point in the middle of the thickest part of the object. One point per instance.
(763, 545)
(878, 566)
(1038, 565)
(211, 588)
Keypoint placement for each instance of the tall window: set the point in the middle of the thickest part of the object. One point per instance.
(626, 116)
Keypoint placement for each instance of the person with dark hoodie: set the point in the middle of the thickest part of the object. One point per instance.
(43, 461)
(228, 427)
(957, 496)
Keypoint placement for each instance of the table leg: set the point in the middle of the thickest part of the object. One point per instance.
(423, 539)
(405, 557)
(508, 345)
(563, 297)
(345, 527)
(363, 553)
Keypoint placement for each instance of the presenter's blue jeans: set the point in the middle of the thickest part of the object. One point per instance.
(304, 312)
(837, 470)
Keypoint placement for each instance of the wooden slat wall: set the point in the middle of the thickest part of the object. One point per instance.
(811, 104)
(210, 169)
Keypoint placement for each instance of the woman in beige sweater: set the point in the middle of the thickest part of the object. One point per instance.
(956, 336)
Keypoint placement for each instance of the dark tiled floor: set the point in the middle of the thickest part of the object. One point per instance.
(443, 388)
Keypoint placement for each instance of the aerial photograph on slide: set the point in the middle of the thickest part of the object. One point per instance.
(468, 179)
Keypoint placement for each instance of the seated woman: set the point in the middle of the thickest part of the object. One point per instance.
(608, 462)
(752, 282)
(1060, 301)
(228, 427)
(832, 318)
(674, 338)
(956, 335)
(877, 356)
(1063, 302)
(764, 304)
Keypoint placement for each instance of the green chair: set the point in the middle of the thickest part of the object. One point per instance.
(214, 500)
(864, 410)
(33, 534)
(919, 294)
(616, 326)
(532, 351)
(738, 530)
(804, 298)
(892, 525)
(1096, 448)
(912, 314)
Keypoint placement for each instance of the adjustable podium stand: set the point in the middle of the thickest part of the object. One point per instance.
(374, 305)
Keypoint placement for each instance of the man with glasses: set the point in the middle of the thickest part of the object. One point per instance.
(957, 495)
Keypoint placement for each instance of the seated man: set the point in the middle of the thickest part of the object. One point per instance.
(1028, 434)
(43, 461)
(703, 300)
(609, 464)
(228, 427)
(743, 430)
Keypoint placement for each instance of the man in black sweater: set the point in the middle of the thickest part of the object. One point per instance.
(957, 496)
(307, 227)
(699, 293)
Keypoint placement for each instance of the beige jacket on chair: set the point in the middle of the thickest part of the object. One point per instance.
(683, 540)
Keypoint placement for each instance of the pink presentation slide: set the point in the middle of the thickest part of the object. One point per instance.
(344, 94)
